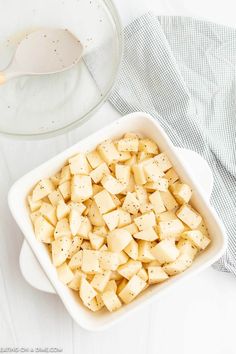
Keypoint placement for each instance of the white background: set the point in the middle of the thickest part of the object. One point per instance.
(199, 317)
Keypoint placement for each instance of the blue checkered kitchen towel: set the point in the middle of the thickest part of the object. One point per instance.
(182, 71)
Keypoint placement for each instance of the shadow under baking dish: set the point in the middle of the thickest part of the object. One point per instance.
(144, 124)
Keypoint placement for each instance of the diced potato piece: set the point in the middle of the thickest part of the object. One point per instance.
(101, 280)
(55, 197)
(108, 152)
(132, 289)
(104, 202)
(163, 162)
(100, 230)
(65, 174)
(167, 216)
(157, 202)
(142, 273)
(148, 146)
(124, 156)
(116, 200)
(111, 286)
(121, 285)
(122, 173)
(197, 238)
(75, 246)
(74, 221)
(86, 292)
(142, 156)
(161, 185)
(56, 179)
(132, 161)
(152, 172)
(109, 260)
(79, 165)
(81, 188)
(34, 205)
(94, 159)
(124, 218)
(99, 172)
(130, 268)
(112, 219)
(96, 240)
(74, 284)
(139, 175)
(112, 185)
(169, 201)
(172, 176)
(34, 216)
(115, 276)
(123, 257)
(131, 204)
(132, 249)
(148, 235)
(65, 189)
(145, 221)
(95, 216)
(85, 227)
(144, 251)
(182, 193)
(131, 135)
(90, 262)
(189, 216)
(118, 239)
(130, 187)
(76, 260)
(128, 144)
(62, 210)
(165, 251)
(156, 275)
(49, 213)
(146, 207)
(60, 250)
(100, 303)
(141, 193)
(42, 189)
(44, 231)
(170, 229)
(179, 265)
(111, 300)
(187, 247)
(131, 228)
(62, 229)
(64, 273)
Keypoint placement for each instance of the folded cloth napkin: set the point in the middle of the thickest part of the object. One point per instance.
(182, 71)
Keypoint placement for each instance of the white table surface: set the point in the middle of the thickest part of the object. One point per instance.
(199, 317)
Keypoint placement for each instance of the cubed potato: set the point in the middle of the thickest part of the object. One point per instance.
(156, 275)
(141, 193)
(145, 221)
(100, 230)
(179, 265)
(76, 260)
(128, 144)
(132, 249)
(123, 155)
(152, 172)
(132, 289)
(161, 185)
(60, 250)
(169, 201)
(49, 213)
(132, 160)
(62, 210)
(100, 303)
(62, 229)
(115, 276)
(182, 193)
(42, 189)
(142, 273)
(187, 247)
(123, 257)
(95, 216)
(189, 216)
(111, 300)
(116, 200)
(99, 172)
(131, 204)
(165, 251)
(65, 189)
(130, 187)
(94, 159)
(130, 268)
(131, 228)
(109, 260)
(157, 202)
(144, 251)
(112, 219)
(139, 175)
(170, 229)
(121, 285)
(122, 173)
(79, 165)
(75, 246)
(146, 207)
(108, 152)
(101, 280)
(34, 205)
(118, 239)
(55, 197)
(111, 286)
(148, 146)
(90, 262)
(64, 273)
(44, 231)
(96, 240)
(86, 292)
(172, 176)
(167, 216)
(65, 174)
(124, 218)
(142, 156)
(85, 227)
(81, 188)
(148, 234)
(112, 185)
(56, 179)
(163, 162)
(74, 221)
(104, 202)
(197, 238)
(74, 284)
(34, 216)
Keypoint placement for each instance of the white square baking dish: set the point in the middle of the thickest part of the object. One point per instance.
(146, 125)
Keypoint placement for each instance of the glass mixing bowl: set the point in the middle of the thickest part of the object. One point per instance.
(37, 106)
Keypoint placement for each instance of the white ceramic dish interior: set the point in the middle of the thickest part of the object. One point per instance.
(146, 125)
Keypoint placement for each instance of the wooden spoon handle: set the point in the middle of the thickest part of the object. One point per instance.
(2, 78)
